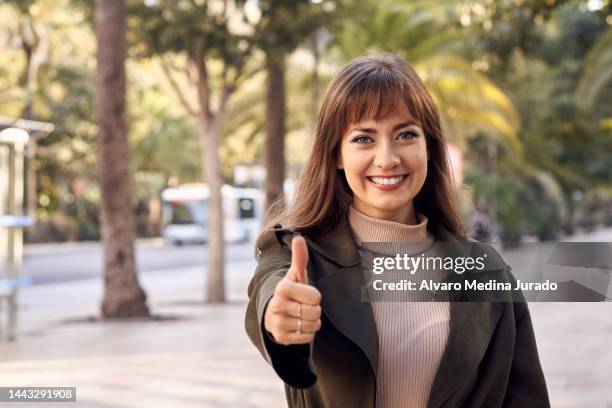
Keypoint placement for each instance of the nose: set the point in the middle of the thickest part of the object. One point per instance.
(386, 157)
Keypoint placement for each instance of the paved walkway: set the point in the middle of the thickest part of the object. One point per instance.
(199, 355)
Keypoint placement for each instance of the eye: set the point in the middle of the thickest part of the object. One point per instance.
(408, 135)
(361, 139)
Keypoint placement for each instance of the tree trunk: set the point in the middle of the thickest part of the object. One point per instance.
(209, 144)
(275, 128)
(123, 296)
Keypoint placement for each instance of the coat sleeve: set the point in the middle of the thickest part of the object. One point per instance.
(292, 363)
(526, 384)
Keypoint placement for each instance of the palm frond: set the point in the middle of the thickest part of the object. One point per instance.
(598, 71)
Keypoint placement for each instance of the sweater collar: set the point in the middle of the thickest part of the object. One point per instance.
(370, 229)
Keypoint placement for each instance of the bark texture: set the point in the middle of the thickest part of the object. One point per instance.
(123, 296)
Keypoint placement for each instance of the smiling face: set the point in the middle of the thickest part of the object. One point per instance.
(385, 163)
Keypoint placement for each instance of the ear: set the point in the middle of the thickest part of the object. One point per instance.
(340, 166)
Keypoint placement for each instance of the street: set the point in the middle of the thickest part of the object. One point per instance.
(50, 263)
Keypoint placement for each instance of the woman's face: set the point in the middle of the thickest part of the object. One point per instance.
(385, 163)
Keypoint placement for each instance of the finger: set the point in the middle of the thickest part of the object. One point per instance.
(290, 324)
(293, 338)
(308, 312)
(298, 292)
(299, 260)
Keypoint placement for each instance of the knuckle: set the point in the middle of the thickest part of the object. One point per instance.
(276, 306)
(282, 291)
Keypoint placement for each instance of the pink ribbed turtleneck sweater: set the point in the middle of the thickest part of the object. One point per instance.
(412, 335)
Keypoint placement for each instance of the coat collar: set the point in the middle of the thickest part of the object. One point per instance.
(342, 287)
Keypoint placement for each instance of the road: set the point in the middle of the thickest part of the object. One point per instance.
(52, 263)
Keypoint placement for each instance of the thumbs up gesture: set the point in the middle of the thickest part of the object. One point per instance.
(293, 314)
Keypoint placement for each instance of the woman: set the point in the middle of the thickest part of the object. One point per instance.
(378, 173)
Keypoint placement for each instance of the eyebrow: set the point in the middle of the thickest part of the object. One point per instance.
(396, 127)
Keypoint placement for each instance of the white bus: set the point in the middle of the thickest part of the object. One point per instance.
(185, 213)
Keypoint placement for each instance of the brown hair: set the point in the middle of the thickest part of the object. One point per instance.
(368, 87)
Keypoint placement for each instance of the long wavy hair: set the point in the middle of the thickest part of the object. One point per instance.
(368, 87)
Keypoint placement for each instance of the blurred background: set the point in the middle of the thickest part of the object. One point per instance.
(141, 142)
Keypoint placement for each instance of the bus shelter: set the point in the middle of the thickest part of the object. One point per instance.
(17, 141)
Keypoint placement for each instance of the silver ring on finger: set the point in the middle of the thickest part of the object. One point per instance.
(299, 310)
(299, 327)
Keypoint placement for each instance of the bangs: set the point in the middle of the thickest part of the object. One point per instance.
(376, 95)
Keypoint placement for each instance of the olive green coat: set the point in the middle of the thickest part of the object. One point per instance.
(490, 360)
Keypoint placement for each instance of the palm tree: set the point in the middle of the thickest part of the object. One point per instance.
(123, 296)
(426, 34)
(284, 25)
(470, 103)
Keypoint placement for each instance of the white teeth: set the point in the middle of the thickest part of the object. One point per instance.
(387, 180)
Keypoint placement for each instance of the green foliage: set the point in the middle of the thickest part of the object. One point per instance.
(285, 24)
(469, 102)
(519, 206)
(597, 74)
(164, 140)
(538, 53)
(199, 29)
(416, 29)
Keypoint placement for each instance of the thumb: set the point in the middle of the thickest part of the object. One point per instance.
(299, 259)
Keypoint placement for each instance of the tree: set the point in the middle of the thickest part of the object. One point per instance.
(123, 296)
(285, 24)
(208, 44)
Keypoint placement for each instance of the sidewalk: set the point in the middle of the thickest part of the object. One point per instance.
(200, 355)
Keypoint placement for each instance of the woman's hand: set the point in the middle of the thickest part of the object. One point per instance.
(284, 313)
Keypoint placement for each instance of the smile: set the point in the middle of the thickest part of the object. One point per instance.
(387, 183)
